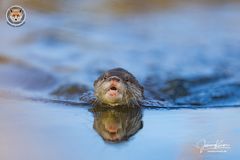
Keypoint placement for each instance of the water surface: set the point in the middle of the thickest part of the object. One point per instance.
(186, 53)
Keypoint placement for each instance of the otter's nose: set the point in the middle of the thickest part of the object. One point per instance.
(114, 78)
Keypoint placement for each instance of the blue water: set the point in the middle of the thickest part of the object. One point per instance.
(187, 54)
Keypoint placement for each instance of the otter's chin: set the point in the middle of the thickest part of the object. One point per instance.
(112, 93)
(113, 97)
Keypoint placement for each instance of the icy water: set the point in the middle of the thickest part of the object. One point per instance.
(184, 53)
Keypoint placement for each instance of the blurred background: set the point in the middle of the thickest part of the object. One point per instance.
(78, 39)
(186, 51)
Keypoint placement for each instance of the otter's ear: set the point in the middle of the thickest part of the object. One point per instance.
(95, 82)
(141, 125)
(94, 126)
(142, 88)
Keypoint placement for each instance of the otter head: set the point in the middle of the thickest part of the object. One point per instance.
(118, 87)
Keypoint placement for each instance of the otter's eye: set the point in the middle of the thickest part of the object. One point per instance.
(126, 79)
(104, 77)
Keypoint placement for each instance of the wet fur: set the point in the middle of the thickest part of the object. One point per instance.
(132, 91)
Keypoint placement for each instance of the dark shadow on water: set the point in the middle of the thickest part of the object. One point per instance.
(209, 91)
(70, 91)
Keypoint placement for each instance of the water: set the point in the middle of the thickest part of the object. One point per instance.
(52, 131)
(186, 53)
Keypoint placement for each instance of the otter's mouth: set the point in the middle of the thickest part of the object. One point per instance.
(113, 88)
(113, 91)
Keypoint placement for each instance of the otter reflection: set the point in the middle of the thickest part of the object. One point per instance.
(117, 124)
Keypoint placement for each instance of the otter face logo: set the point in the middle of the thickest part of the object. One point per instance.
(15, 16)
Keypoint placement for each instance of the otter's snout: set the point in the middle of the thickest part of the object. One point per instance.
(114, 78)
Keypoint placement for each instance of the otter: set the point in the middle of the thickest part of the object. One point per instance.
(118, 87)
